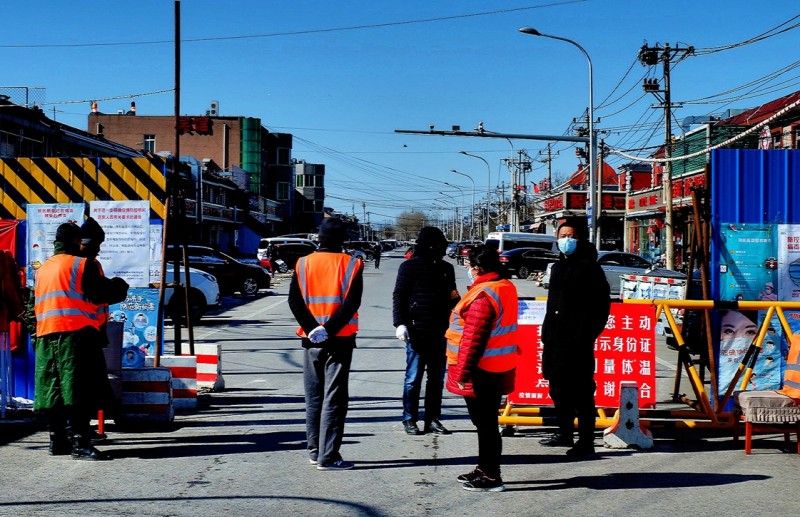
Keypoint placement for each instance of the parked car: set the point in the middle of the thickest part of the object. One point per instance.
(231, 274)
(265, 243)
(289, 253)
(366, 247)
(463, 251)
(614, 263)
(203, 294)
(524, 261)
(451, 249)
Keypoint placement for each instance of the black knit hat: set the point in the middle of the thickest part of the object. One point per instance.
(92, 233)
(332, 233)
(431, 242)
(68, 233)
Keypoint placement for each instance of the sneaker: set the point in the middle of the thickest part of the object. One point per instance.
(312, 461)
(410, 427)
(336, 465)
(470, 476)
(435, 427)
(557, 440)
(484, 484)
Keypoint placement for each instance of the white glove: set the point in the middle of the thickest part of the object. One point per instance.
(402, 333)
(318, 335)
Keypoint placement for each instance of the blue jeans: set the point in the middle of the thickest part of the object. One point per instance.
(416, 364)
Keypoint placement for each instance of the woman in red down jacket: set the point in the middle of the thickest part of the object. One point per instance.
(481, 358)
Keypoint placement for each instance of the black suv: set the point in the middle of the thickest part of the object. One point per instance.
(232, 275)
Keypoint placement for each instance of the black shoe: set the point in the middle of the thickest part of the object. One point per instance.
(581, 451)
(84, 451)
(557, 440)
(59, 445)
(435, 427)
(484, 484)
(411, 427)
(98, 437)
(470, 476)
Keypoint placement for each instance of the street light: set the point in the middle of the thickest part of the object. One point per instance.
(590, 201)
(488, 187)
(472, 209)
(455, 215)
(461, 209)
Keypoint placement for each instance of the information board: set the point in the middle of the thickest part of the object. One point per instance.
(625, 351)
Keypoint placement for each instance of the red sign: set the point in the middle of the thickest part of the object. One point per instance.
(615, 201)
(625, 351)
(199, 125)
(554, 203)
(576, 201)
(683, 187)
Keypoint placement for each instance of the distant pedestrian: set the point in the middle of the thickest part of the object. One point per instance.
(482, 359)
(578, 305)
(324, 296)
(377, 254)
(424, 293)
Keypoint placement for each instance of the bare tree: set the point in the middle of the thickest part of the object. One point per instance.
(409, 224)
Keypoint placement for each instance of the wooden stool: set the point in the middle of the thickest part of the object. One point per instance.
(766, 411)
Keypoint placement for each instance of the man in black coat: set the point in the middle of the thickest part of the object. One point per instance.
(424, 294)
(578, 305)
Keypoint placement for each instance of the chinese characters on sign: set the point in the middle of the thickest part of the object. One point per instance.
(625, 351)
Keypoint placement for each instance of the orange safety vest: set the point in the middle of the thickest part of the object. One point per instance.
(324, 280)
(791, 377)
(500, 354)
(61, 305)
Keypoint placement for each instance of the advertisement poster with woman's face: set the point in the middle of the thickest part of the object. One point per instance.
(737, 332)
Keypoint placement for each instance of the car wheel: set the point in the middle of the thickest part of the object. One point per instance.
(249, 286)
(523, 272)
(197, 307)
(283, 268)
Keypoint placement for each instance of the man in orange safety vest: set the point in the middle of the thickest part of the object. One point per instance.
(324, 297)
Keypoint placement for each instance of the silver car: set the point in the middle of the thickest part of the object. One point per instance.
(614, 263)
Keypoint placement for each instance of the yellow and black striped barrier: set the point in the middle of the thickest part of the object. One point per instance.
(77, 180)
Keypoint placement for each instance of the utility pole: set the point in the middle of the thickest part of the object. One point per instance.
(549, 162)
(650, 56)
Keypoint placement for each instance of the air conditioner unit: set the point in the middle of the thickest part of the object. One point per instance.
(213, 109)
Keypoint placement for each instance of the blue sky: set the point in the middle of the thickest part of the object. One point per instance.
(342, 76)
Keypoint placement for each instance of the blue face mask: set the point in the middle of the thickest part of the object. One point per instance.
(469, 275)
(567, 245)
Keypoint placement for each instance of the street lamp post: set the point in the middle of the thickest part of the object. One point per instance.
(472, 209)
(461, 208)
(590, 199)
(488, 188)
(456, 217)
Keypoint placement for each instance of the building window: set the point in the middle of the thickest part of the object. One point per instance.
(149, 143)
(319, 180)
(309, 180)
(318, 205)
(284, 156)
(282, 191)
(299, 181)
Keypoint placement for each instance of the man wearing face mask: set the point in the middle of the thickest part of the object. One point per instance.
(578, 305)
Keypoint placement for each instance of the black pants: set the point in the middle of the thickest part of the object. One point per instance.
(574, 395)
(483, 411)
(325, 376)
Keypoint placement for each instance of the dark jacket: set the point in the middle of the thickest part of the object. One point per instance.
(577, 311)
(424, 294)
(337, 321)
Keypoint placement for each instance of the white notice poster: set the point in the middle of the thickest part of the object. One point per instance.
(126, 250)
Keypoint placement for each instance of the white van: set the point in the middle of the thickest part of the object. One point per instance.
(504, 241)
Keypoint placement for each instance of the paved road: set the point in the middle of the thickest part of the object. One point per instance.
(243, 452)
